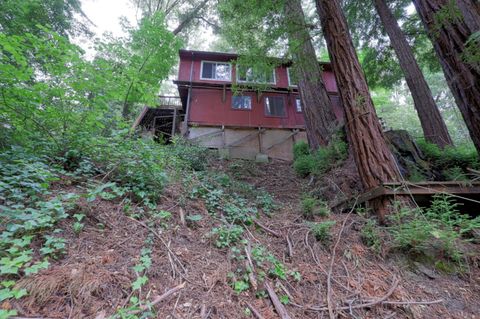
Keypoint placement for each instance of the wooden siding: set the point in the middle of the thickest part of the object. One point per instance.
(211, 100)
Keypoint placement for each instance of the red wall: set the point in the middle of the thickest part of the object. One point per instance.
(207, 108)
(280, 73)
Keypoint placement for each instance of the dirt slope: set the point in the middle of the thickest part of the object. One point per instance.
(94, 278)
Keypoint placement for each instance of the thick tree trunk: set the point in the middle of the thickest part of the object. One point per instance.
(434, 128)
(375, 161)
(317, 108)
(448, 37)
(190, 17)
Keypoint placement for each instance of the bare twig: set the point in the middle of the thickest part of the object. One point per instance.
(249, 264)
(182, 216)
(266, 229)
(255, 312)
(279, 307)
(290, 247)
(159, 299)
(421, 302)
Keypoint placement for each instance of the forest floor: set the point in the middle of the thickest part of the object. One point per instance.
(314, 279)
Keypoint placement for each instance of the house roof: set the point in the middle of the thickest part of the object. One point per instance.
(226, 56)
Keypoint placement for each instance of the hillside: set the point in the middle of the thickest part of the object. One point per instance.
(214, 242)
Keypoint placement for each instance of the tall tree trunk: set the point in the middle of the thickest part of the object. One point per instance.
(448, 37)
(434, 128)
(317, 108)
(374, 160)
(190, 17)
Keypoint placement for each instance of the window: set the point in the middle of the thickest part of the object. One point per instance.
(249, 74)
(292, 78)
(298, 104)
(242, 102)
(275, 106)
(220, 71)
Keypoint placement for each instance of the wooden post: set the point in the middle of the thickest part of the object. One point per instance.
(185, 119)
(174, 124)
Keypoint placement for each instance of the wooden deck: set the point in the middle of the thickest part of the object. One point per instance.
(456, 189)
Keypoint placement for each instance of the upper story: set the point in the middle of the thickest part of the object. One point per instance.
(220, 69)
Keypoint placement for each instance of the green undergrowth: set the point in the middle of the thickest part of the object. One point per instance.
(233, 203)
(452, 162)
(439, 233)
(265, 266)
(28, 212)
(133, 172)
(308, 162)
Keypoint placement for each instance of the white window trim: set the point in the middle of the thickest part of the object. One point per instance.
(253, 82)
(289, 82)
(301, 106)
(208, 79)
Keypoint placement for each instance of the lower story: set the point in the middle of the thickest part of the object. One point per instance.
(248, 143)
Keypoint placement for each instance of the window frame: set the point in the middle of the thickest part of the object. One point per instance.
(216, 62)
(301, 106)
(254, 82)
(284, 106)
(289, 79)
(243, 95)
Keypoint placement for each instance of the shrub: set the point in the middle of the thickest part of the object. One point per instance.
(300, 149)
(327, 157)
(227, 235)
(308, 206)
(312, 206)
(321, 231)
(455, 173)
(438, 229)
(320, 161)
(194, 156)
(136, 164)
(303, 165)
(371, 236)
(461, 156)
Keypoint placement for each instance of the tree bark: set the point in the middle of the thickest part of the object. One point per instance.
(448, 38)
(374, 160)
(433, 125)
(320, 120)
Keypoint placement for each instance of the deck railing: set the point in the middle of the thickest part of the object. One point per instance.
(169, 101)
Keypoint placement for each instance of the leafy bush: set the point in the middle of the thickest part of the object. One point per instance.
(311, 206)
(27, 212)
(194, 156)
(455, 173)
(227, 235)
(136, 164)
(438, 229)
(322, 160)
(321, 231)
(445, 160)
(371, 236)
(300, 149)
(303, 165)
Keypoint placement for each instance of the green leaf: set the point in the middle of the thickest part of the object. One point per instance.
(4, 314)
(194, 218)
(137, 284)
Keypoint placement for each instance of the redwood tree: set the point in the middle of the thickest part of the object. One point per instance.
(434, 128)
(449, 25)
(317, 107)
(375, 161)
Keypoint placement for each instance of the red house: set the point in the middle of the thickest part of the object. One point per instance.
(245, 124)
